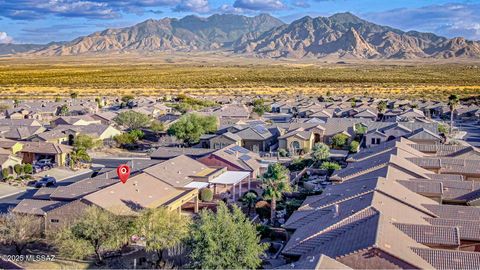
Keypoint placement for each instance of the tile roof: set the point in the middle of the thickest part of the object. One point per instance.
(43, 193)
(81, 188)
(36, 207)
(172, 152)
(239, 156)
(449, 259)
(423, 187)
(431, 235)
(45, 148)
(139, 192)
(315, 262)
(176, 171)
(468, 229)
(454, 211)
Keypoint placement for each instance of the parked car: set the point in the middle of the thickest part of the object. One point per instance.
(43, 164)
(46, 181)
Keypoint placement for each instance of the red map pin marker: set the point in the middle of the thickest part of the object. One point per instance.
(123, 172)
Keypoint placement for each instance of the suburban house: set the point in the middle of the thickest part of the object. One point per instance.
(297, 141)
(34, 151)
(52, 215)
(223, 140)
(81, 120)
(234, 158)
(105, 118)
(20, 133)
(12, 146)
(8, 161)
(258, 138)
(379, 224)
(96, 131)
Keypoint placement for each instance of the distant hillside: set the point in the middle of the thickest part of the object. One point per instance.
(342, 36)
(347, 36)
(11, 48)
(190, 33)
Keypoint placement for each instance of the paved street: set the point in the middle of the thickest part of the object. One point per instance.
(473, 133)
(11, 201)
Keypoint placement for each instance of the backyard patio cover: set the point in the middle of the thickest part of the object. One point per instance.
(230, 178)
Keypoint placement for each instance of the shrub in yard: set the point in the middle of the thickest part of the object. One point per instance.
(206, 195)
(18, 168)
(262, 208)
(354, 145)
(264, 231)
(28, 168)
(339, 140)
(282, 153)
(5, 173)
(330, 166)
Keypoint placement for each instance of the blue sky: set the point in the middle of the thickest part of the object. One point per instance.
(42, 21)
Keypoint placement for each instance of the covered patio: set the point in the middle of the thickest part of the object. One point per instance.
(231, 179)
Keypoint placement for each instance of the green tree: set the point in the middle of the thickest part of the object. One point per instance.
(137, 134)
(360, 129)
(191, 127)
(339, 140)
(28, 168)
(133, 120)
(79, 155)
(74, 95)
(225, 240)
(206, 195)
(382, 106)
(275, 182)
(96, 231)
(320, 152)
(259, 107)
(18, 168)
(249, 199)
(331, 166)
(443, 129)
(453, 102)
(5, 173)
(129, 138)
(64, 110)
(127, 98)
(162, 229)
(157, 126)
(354, 145)
(19, 230)
(86, 142)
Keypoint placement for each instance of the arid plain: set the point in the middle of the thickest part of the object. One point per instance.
(226, 74)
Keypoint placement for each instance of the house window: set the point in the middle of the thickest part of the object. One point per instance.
(54, 220)
(378, 140)
(373, 140)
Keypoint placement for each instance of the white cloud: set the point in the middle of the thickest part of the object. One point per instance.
(450, 20)
(4, 38)
(260, 5)
(197, 6)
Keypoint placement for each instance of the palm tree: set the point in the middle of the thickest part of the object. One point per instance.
(78, 155)
(274, 182)
(320, 152)
(249, 199)
(453, 101)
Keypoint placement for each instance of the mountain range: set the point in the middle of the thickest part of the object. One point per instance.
(342, 35)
